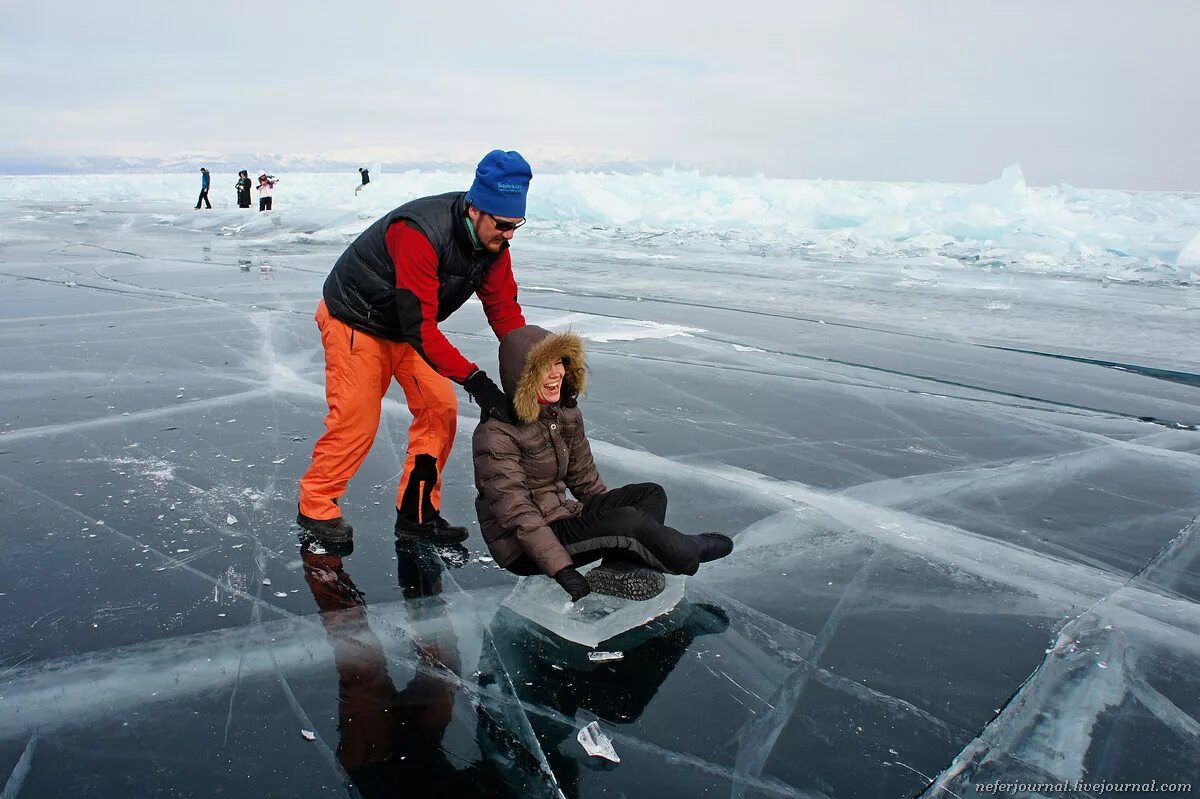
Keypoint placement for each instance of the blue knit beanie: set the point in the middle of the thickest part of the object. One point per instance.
(501, 183)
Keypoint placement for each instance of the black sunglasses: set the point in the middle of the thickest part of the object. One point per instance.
(503, 225)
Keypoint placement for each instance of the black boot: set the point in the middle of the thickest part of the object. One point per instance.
(713, 546)
(334, 530)
(626, 580)
(434, 529)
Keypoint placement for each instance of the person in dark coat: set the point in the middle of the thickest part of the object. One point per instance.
(366, 178)
(523, 470)
(203, 198)
(244, 185)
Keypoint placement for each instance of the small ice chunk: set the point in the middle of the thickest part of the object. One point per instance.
(266, 581)
(230, 518)
(309, 735)
(484, 559)
(281, 594)
(605, 657)
(455, 557)
(594, 618)
(597, 743)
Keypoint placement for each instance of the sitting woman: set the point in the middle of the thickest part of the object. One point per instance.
(523, 471)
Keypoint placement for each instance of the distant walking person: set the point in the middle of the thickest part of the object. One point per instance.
(203, 198)
(366, 178)
(244, 185)
(266, 185)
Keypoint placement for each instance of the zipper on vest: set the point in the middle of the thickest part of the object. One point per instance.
(351, 340)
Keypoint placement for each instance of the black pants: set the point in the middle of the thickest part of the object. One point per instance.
(264, 203)
(623, 524)
(203, 199)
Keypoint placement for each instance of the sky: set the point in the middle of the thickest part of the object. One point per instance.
(1094, 94)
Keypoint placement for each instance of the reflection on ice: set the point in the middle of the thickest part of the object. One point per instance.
(390, 736)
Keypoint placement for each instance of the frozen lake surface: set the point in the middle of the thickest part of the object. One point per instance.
(964, 495)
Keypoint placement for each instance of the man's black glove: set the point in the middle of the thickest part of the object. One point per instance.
(493, 402)
(573, 583)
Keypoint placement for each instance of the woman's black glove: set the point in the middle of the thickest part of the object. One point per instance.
(573, 583)
(493, 402)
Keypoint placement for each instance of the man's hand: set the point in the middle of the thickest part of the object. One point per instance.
(573, 583)
(493, 402)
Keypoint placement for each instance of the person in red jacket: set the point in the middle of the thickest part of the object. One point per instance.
(378, 318)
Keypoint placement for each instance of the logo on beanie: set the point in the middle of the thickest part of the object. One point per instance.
(501, 183)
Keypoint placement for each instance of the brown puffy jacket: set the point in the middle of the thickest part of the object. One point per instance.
(523, 471)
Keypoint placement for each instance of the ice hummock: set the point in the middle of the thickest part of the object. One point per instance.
(1003, 224)
(594, 618)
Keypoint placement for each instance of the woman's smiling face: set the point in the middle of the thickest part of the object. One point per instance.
(550, 387)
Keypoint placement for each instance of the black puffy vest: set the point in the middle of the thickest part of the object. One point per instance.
(361, 289)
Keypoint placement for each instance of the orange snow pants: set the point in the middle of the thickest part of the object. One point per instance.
(359, 368)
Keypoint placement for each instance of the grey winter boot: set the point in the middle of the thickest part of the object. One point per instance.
(626, 580)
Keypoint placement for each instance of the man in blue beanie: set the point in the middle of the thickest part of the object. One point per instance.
(379, 319)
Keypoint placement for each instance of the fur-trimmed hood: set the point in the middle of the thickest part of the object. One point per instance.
(525, 355)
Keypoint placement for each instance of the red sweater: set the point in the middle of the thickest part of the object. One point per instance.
(416, 271)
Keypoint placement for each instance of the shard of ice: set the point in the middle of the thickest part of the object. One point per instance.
(597, 743)
(594, 618)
